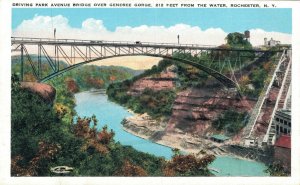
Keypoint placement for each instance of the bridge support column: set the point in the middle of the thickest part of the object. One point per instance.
(22, 63)
(56, 58)
(39, 61)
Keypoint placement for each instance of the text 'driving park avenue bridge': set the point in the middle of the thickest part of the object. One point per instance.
(222, 63)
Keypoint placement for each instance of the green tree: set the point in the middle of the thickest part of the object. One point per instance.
(238, 40)
(32, 123)
(230, 121)
(276, 169)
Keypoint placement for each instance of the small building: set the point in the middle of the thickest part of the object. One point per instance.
(271, 42)
(250, 142)
(282, 119)
(282, 151)
(219, 138)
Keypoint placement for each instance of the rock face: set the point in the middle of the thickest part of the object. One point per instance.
(155, 130)
(162, 81)
(194, 109)
(143, 124)
(47, 92)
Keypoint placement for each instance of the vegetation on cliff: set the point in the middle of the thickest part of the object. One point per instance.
(188, 165)
(231, 122)
(155, 103)
(42, 139)
(82, 78)
(277, 169)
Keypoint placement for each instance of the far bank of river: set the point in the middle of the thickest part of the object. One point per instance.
(111, 114)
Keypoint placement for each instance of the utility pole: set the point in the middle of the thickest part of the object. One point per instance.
(54, 33)
(178, 38)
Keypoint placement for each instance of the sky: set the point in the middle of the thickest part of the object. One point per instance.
(203, 26)
(207, 26)
(230, 20)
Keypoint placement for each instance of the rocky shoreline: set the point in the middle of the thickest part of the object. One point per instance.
(145, 127)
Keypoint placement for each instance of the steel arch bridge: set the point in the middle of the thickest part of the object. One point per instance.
(75, 53)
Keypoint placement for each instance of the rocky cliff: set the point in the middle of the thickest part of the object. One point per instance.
(47, 92)
(162, 81)
(194, 109)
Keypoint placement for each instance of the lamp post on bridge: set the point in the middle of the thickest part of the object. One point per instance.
(55, 51)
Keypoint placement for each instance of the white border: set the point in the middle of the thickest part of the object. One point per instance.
(5, 32)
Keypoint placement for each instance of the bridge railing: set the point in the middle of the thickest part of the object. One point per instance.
(137, 43)
(130, 44)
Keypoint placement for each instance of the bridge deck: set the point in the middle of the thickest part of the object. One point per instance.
(49, 41)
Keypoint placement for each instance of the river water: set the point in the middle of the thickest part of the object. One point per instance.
(111, 114)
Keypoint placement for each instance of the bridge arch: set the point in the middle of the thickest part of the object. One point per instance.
(218, 76)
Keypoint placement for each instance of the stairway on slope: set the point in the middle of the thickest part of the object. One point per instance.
(285, 89)
(286, 81)
(247, 131)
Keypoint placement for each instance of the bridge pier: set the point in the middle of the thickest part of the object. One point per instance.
(22, 62)
(39, 60)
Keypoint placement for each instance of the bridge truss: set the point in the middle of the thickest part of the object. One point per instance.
(65, 54)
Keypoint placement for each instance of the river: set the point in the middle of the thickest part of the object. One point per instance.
(111, 114)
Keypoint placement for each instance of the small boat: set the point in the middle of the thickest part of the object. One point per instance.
(61, 169)
(214, 169)
(93, 90)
